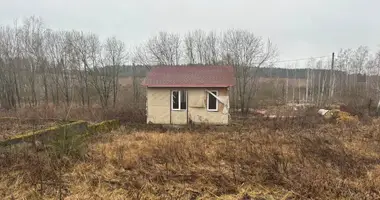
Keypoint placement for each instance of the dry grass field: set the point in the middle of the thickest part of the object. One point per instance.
(302, 158)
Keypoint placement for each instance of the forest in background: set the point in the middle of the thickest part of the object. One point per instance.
(40, 66)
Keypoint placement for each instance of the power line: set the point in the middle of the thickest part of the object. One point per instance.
(280, 61)
(294, 60)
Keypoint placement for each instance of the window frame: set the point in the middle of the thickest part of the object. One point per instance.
(217, 103)
(179, 100)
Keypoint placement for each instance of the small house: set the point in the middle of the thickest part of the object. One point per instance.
(188, 94)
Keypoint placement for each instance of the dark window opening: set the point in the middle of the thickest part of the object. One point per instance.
(212, 103)
(175, 100)
(183, 100)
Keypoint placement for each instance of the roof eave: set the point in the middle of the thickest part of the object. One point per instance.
(189, 86)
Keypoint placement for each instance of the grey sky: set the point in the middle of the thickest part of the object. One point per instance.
(300, 28)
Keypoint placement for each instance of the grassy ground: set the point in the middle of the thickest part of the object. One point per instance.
(287, 159)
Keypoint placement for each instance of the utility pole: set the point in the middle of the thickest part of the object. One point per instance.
(332, 77)
(134, 82)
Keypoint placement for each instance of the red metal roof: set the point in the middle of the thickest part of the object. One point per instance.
(190, 76)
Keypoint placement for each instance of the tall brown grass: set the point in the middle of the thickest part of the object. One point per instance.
(131, 113)
(284, 159)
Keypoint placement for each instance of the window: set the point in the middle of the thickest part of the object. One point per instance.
(179, 100)
(183, 99)
(212, 102)
(175, 100)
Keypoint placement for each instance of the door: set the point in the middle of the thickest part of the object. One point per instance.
(179, 107)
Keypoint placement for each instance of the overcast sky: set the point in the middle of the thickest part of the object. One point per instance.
(300, 28)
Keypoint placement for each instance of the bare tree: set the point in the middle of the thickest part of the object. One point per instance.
(115, 55)
(332, 79)
(319, 94)
(199, 37)
(39, 63)
(212, 48)
(141, 55)
(7, 67)
(81, 43)
(376, 64)
(359, 60)
(55, 52)
(324, 79)
(310, 65)
(164, 49)
(248, 54)
(202, 48)
(190, 48)
(100, 71)
(32, 35)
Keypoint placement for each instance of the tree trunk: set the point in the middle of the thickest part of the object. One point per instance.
(307, 85)
(319, 89)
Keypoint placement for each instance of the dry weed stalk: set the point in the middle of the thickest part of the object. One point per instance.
(278, 159)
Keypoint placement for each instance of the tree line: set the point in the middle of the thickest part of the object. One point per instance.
(39, 65)
(351, 74)
(43, 66)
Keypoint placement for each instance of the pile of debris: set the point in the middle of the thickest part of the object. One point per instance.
(338, 115)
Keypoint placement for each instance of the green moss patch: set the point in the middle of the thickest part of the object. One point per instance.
(63, 131)
(34, 120)
(103, 127)
(11, 128)
(51, 133)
